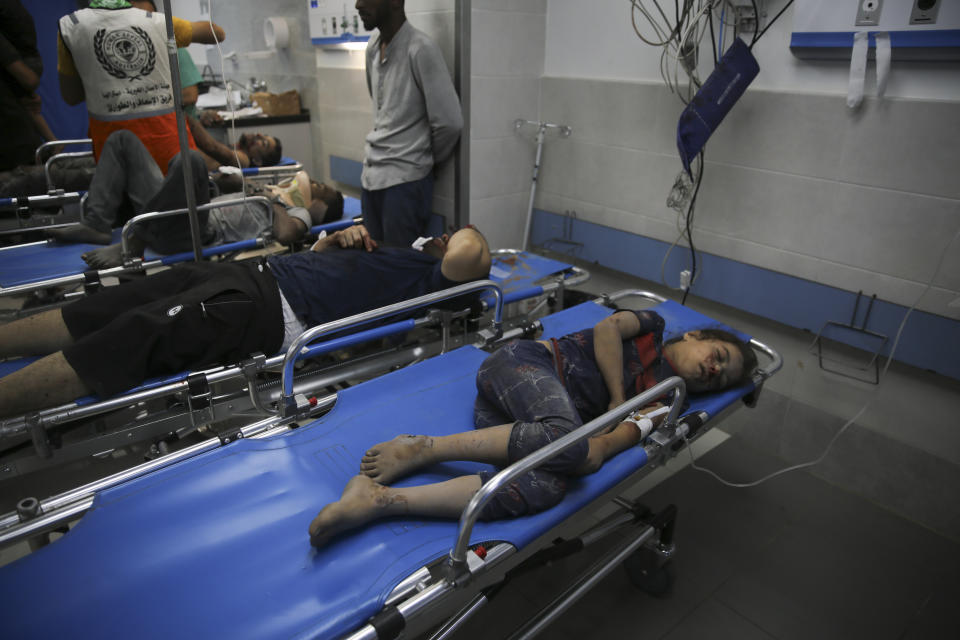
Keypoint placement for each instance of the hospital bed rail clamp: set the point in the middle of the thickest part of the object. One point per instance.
(199, 398)
(91, 282)
(250, 368)
(38, 435)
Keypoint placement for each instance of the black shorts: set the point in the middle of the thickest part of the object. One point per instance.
(188, 317)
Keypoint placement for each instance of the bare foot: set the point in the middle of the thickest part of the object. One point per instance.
(111, 256)
(362, 500)
(387, 461)
(79, 233)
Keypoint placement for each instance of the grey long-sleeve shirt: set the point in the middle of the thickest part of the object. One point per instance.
(416, 111)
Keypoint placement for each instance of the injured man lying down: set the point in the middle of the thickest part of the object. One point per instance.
(531, 393)
(128, 182)
(201, 314)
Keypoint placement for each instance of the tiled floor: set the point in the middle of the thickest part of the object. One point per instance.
(795, 557)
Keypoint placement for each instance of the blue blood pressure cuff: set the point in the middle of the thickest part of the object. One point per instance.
(731, 77)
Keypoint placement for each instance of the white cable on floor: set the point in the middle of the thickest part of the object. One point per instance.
(849, 422)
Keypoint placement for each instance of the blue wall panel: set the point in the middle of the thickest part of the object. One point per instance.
(929, 341)
(66, 122)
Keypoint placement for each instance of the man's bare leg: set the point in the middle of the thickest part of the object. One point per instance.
(35, 335)
(364, 500)
(387, 461)
(47, 382)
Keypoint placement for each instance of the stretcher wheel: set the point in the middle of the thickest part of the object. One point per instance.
(647, 574)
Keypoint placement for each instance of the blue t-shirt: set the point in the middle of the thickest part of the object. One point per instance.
(326, 286)
(643, 365)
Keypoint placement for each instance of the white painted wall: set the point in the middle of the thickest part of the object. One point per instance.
(596, 40)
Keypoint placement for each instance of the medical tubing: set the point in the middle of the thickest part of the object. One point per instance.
(866, 405)
(472, 511)
(293, 352)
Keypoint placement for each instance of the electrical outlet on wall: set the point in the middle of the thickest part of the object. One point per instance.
(925, 11)
(868, 13)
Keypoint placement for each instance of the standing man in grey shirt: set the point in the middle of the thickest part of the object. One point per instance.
(416, 123)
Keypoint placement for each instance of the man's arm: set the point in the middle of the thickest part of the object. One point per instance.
(71, 89)
(205, 34)
(11, 61)
(441, 100)
(221, 153)
(286, 228)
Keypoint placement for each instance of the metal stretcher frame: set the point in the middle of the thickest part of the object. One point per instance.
(530, 277)
(401, 597)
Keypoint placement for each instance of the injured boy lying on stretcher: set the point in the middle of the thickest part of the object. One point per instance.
(201, 314)
(128, 182)
(531, 393)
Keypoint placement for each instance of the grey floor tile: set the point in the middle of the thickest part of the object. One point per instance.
(716, 621)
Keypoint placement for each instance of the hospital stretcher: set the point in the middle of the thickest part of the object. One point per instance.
(34, 213)
(213, 542)
(38, 267)
(171, 407)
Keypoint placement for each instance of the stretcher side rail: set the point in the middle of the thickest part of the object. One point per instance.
(273, 171)
(23, 204)
(291, 405)
(128, 228)
(47, 146)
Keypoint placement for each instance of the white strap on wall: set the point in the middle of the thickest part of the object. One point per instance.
(858, 69)
(858, 66)
(882, 39)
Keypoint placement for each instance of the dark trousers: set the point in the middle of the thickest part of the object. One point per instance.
(519, 383)
(128, 182)
(398, 215)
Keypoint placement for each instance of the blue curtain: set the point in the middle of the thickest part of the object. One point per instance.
(66, 121)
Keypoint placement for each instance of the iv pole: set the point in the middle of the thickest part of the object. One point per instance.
(185, 163)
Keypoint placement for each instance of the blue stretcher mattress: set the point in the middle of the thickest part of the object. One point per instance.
(217, 546)
(40, 261)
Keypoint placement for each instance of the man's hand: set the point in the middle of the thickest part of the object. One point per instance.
(355, 237)
(209, 117)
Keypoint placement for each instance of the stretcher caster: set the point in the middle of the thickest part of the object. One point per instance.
(645, 571)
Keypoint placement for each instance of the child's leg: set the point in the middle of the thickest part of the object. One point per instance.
(387, 461)
(363, 501)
